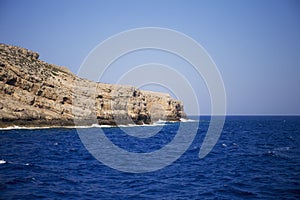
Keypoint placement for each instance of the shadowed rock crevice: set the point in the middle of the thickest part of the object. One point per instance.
(36, 93)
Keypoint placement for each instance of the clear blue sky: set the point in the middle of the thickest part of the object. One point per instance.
(255, 44)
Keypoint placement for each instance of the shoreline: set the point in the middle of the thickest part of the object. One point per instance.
(38, 94)
(16, 126)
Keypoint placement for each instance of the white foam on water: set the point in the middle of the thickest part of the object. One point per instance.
(93, 126)
(187, 120)
(157, 123)
(142, 125)
(2, 162)
(22, 127)
(48, 127)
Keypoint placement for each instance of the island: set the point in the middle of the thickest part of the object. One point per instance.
(34, 93)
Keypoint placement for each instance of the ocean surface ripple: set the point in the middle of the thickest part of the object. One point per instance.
(255, 158)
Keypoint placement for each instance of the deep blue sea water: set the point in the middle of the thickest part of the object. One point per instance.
(255, 158)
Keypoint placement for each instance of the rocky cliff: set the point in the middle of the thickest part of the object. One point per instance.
(35, 93)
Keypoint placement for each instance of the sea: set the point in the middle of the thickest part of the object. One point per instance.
(256, 157)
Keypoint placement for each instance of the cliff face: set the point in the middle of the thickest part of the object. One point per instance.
(35, 93)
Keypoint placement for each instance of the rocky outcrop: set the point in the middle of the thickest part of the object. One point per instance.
(35, 93)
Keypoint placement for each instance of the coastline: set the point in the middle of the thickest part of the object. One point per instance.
(21, 126)
(38, 94)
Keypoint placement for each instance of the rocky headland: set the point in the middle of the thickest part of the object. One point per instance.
(36, 93)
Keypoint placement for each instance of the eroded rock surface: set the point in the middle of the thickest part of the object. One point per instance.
(35, 93)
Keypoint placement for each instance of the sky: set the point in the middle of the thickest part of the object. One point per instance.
(255, 44)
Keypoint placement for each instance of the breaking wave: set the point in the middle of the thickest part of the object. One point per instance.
(157, 123)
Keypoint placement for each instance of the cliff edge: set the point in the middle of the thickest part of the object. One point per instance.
(36, 93)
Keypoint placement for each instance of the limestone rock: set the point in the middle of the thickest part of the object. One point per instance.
(36, 93)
